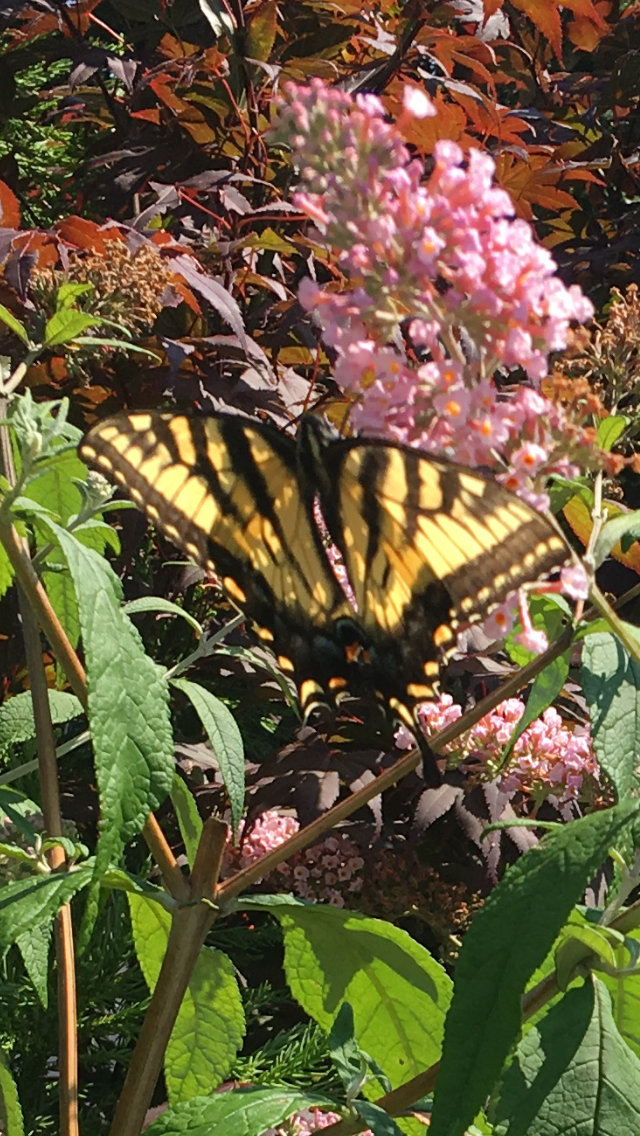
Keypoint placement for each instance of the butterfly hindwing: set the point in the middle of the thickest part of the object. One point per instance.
(427, 545)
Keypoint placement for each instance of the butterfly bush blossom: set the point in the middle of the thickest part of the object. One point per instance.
(324, 872)
(548, 761)
(447, 261)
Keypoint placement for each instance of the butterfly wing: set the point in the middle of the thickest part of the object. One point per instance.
(226, 491)
(428, 545)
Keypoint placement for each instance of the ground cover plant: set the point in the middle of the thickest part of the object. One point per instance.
(422, 226)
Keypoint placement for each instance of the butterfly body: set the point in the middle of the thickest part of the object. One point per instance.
(426, 544)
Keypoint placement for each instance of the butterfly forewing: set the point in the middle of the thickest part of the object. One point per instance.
(427, 545)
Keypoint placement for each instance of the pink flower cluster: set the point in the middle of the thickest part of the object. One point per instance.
(548, 762)
(324, 872)
(303, 1124)
(449, 263)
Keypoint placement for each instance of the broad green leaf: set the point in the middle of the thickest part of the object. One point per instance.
(610, 429)
(188, 817)
(399, 994)
(610, 679)
(572, 1074)
(28, 903)
(34, 948)
(545, 689)
(210, 1026)
(222, 731)
(509, 937)
(127, 701)
(240, 1112)
(62, 594)
(53, 486)
(65, 325)
(10, 1111)
(16, 716)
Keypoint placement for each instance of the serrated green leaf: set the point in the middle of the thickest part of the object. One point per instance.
(210, 1026)
(572, 1073)
(27, 903)
(127, 701)
(10, 1112)
(34, 948)
(509, 937)
(189, 819)
(222, 731)
(53, 486)
(17, 723)
(240, 1112)
(398, 992)
(66, 325)
(610, 679)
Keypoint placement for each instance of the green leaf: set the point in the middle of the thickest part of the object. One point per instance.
(53, 486)
(222, 731)
(10, 1111)
(15, 325)
(34, 948)
(28, 903)
(69, 292)
(6, 572)
(210, 1026)
(572, 1074)
(398, 992)
(17, 724)
(624, 525)
(548, 613)
(545, 689)
(610, 430)
(376, 1119)
(345, 1052)
(624, 989)
(509, 937)
(610, 679)
(240, 1112)
(188, 817)
(583, 941)
(156, 603)
(127, 701)
(65, 325)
